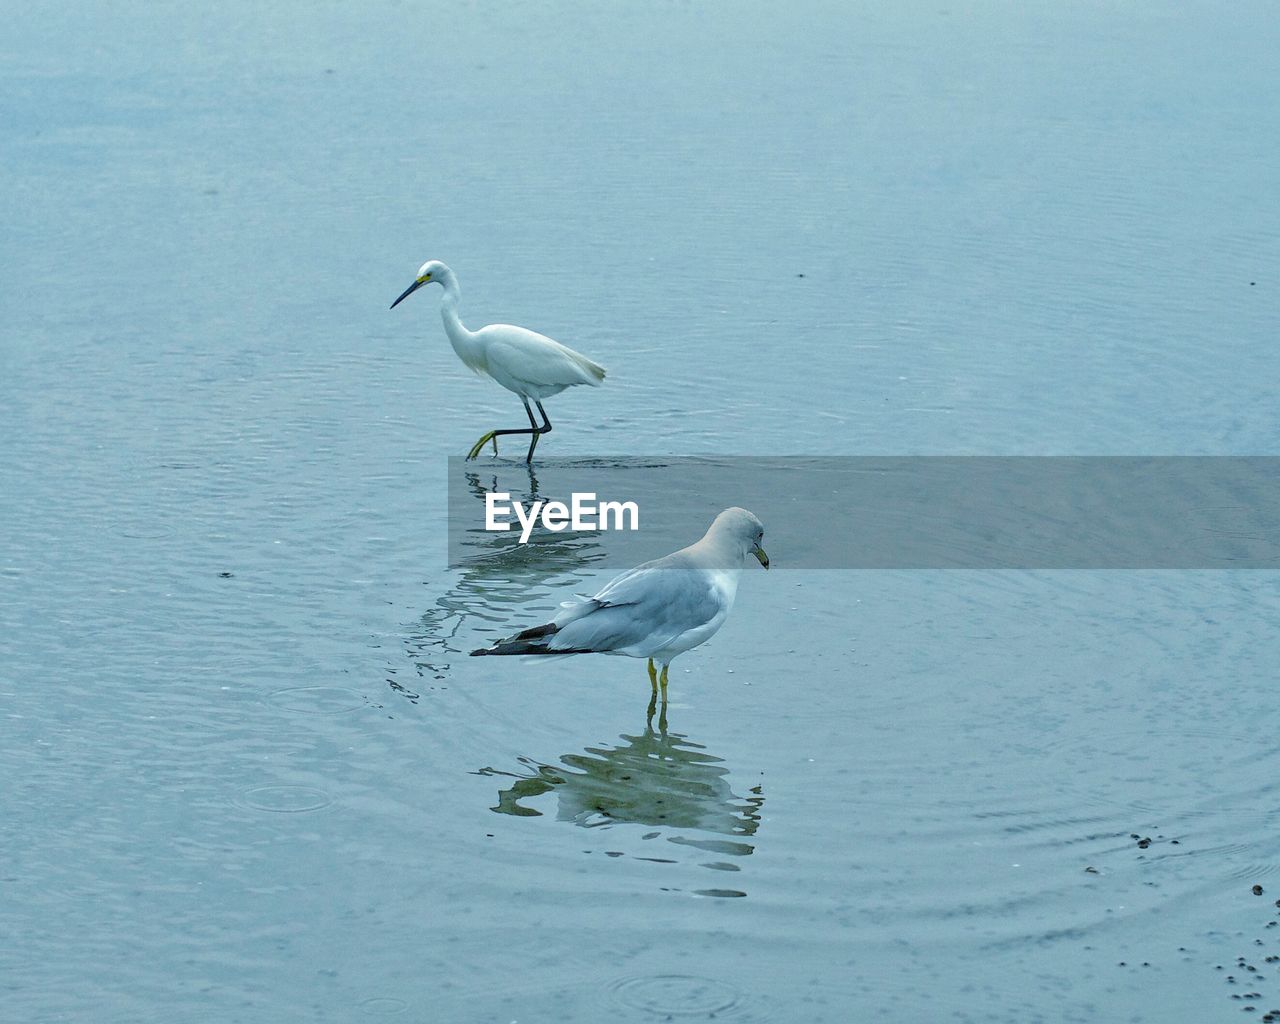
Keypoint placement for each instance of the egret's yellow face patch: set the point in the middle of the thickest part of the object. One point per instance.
(424, 279)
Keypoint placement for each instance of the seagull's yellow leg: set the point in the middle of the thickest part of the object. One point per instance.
(475, 448)
(663, 680)
(653, 678)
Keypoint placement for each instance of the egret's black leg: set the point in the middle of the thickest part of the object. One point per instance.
(493, 435)
(538, 431)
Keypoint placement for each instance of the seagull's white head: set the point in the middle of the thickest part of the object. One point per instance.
(431, 272)
(741, 528)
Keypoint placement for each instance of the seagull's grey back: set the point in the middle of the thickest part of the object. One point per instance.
(648, 607)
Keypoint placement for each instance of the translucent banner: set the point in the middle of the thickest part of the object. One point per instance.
(910, 512)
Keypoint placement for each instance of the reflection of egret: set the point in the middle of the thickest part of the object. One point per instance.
(499, 574)
(659, 609)
(659, 779)
(527, 363)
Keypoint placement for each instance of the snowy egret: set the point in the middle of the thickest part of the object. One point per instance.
(529, 364)
(657, 610)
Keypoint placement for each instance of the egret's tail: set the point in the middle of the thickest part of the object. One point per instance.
(593, 370)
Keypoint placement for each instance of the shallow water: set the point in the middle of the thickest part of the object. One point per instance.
(251, 774)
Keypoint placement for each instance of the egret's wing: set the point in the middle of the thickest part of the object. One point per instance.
(537, 359)
(648, 606)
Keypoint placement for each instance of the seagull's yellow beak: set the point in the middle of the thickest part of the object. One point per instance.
(761, 557)
(409, 291)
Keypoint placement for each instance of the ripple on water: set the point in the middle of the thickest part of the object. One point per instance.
(286, 799)
(318, 700)
(675, 995)
(383, 1006)
(1254, 870)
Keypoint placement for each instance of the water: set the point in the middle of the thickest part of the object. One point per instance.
(250, 774)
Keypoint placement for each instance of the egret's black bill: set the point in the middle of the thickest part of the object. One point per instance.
(406, 293)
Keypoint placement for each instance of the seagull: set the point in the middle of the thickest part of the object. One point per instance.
(657, 610)
(529, 364)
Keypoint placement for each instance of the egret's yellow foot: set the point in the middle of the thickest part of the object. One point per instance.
(663, 680)
(653, 677)
(475, 448)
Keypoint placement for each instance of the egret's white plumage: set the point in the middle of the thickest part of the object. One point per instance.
(657, 610)
(525, 362)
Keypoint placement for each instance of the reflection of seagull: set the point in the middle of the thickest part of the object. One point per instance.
(656, 610)
(529, 364)
(657, 778)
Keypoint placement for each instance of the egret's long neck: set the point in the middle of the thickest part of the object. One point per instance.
(464, 342)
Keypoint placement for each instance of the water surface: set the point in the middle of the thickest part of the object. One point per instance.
(251, 774)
